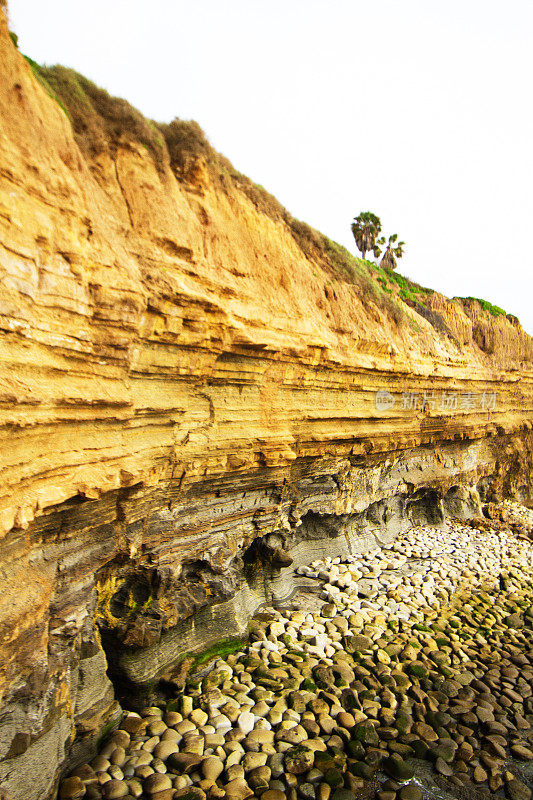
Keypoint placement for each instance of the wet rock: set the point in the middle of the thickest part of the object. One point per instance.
(410, 792)
(480, 776)
(343, 794)
(443, 768)
(522, 752)
(333, 777)
(397, 768)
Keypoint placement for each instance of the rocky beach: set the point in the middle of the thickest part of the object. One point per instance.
(408, 675)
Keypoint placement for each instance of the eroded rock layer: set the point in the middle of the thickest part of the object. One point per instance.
(190, 400)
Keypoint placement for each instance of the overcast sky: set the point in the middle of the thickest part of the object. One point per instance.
(419, 111)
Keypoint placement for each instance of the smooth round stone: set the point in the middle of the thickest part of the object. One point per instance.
(71, 788)
(183, 762)
(93, 792)
(115, 789)
(234, 758)
(212, 768)
(260, 709)
(157, 783)
(275, 762)
(234, 772)
(164, 749)
(171, 735)
(295, 735)
(345, 719)
(246, 722)
(442, 767)
(522, 752)
(480, 776)
(446, 749)
(150, 743)
(314, 775)
(116, 772)
(323, 792)
(397, 768)
(172, 718)
(158, 765)
(199, 717)
(410, 792)
(156, 728)
(192, 744)
(107, 749)
(121, 738)
(143, 771)
(118, 756)
(484, 714)
(185, 726)
(100, 764)
(425, 731)
(132, 723)
(273, 794)
(135, 787)
(253, 760)
(259, 778)
(343, 794)
(86, 773)
(140, 758)
(260, 736)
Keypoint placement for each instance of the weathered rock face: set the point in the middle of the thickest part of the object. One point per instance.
(187, 397)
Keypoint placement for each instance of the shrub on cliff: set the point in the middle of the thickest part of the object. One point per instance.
(493, 310)
(98, 119)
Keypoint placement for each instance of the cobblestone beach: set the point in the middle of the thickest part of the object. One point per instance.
(411, 677)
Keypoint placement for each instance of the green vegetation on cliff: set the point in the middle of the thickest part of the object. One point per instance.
(493, 310)
(101, 123)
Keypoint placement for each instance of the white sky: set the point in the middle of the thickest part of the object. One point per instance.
(418, 110)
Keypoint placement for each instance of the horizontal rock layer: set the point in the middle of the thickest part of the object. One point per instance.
(186, 396)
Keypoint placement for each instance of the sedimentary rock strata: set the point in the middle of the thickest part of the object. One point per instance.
(191, 398)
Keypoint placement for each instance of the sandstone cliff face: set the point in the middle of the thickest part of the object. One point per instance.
(185, 393)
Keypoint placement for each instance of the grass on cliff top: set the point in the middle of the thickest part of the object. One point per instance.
(101, 123)
(39, 74)
(494, 311)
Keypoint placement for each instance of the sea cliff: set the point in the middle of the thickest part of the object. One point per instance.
(198, 393)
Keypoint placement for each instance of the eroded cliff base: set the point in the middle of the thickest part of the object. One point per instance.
(408, 672)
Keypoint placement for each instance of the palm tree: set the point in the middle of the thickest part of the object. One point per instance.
(392, 252)
(365, 228)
